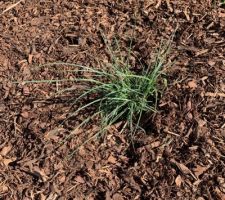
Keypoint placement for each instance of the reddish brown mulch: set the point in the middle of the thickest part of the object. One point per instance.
(182, 156)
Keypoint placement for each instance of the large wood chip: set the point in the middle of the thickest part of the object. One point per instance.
(200, 170)
(184, 169)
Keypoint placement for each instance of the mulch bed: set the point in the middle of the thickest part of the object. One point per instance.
(182, 154)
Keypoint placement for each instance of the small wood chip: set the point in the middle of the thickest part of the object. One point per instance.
(5, 150)
(192, 84)
(201, 52)
(211, 94)
(178, 181)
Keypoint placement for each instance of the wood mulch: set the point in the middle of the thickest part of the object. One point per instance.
(182, 154)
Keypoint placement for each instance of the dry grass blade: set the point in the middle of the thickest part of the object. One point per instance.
(11, 7)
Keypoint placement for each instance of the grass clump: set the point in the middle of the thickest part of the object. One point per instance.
(126, 95)
(121, 94)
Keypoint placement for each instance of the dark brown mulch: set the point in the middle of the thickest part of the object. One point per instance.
(182, 156)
